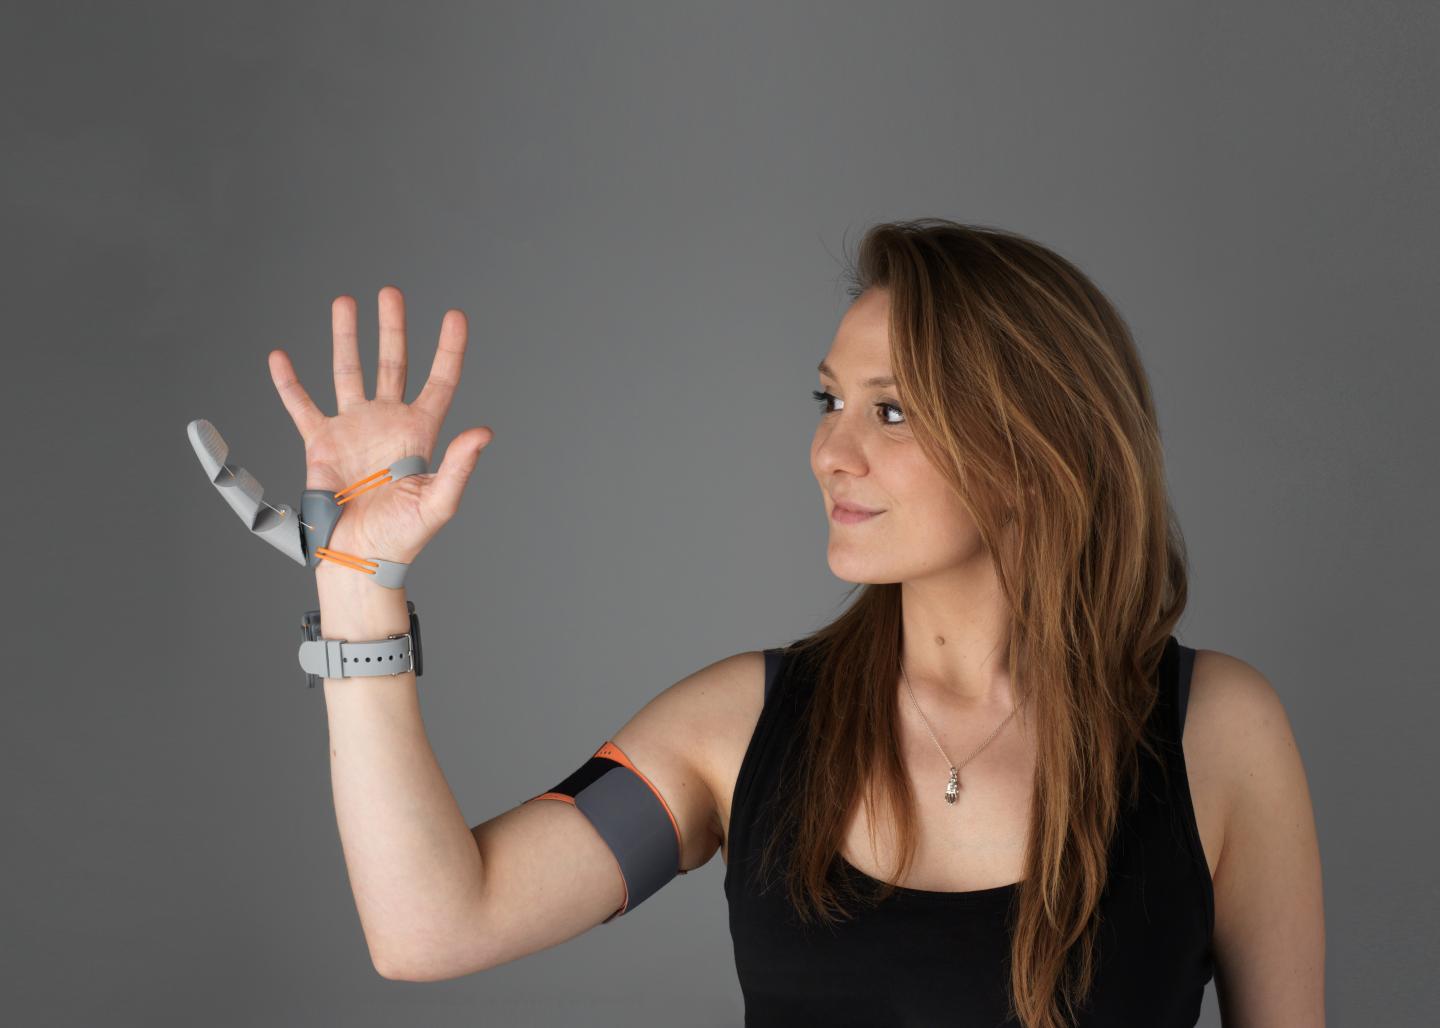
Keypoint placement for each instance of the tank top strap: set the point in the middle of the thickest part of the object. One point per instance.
(1172, 682)
(1187, 664)
(757, 784)
(772, 666)
(1176, 667)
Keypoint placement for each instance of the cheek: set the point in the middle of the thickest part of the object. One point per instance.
(913, 482)
(931, 505)
(937, 523)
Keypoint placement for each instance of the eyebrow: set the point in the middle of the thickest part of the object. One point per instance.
(883, 380)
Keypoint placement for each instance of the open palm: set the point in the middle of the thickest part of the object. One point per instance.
(394, 521)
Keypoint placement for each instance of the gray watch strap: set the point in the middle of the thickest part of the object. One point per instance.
(336, 658)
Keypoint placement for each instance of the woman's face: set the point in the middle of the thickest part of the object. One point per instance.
(864, 454)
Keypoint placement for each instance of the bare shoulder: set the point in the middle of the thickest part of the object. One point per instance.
(1236, 729)
(1269, 925)
(692, 727)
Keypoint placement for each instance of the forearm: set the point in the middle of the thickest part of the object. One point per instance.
(411, 858)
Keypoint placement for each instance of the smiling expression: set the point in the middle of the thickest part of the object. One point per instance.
(865, 453)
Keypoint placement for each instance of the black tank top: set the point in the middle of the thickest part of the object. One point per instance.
(923, 958)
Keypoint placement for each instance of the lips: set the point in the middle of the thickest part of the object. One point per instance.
(855, 508)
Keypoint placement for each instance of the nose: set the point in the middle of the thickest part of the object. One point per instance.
(837, 448)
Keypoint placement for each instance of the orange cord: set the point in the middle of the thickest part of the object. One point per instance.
(358, 491)
(349, 560)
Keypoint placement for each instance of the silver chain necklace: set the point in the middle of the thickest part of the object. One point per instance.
(952, 788)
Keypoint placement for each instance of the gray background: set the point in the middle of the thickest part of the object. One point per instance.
(641, 208)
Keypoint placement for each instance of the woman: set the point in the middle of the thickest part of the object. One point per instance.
(1121, 815)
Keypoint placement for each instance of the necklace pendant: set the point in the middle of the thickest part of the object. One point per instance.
(952, 789)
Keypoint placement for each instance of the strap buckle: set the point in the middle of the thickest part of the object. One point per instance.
(411, 654)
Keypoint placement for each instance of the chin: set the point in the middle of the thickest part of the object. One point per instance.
(863, 572)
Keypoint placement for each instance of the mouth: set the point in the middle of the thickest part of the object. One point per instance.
(848, 514)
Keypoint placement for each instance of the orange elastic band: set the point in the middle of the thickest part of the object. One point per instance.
(355, 486)
(349, 560)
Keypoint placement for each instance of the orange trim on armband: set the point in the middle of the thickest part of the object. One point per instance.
(554, 796)
(609, 751)
(613, 752)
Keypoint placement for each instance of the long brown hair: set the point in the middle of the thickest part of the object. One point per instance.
(1023, 385)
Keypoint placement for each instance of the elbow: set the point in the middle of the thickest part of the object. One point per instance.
(388, 968)
(397, 969)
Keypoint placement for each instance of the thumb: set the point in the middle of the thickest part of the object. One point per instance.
(454, 471)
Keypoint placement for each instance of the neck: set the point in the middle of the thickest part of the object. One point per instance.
(956, 639)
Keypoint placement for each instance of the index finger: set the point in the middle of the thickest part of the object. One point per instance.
(445, 369)
(302, 409)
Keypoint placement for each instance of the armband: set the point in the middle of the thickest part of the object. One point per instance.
(301, 537)
(631, 816)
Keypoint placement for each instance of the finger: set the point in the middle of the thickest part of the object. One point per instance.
(390, 372)
(445, 369)
(303, 411)
(460, 457)
(349, 376)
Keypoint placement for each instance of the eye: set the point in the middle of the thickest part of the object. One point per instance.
(825, 399)
(897, 410)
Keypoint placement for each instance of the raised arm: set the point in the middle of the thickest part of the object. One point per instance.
(547, 875)
(409, 854)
